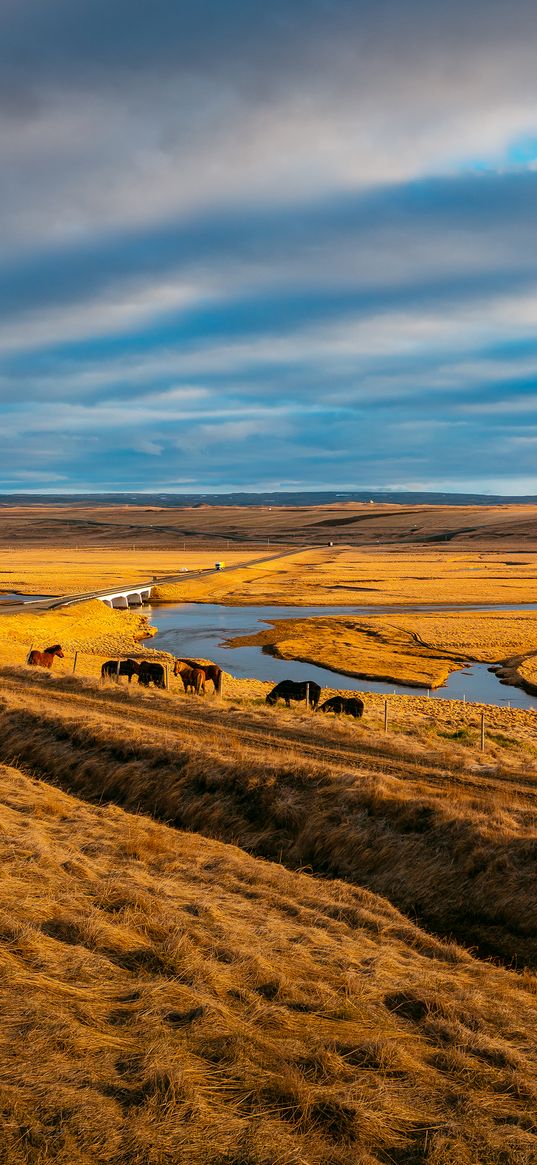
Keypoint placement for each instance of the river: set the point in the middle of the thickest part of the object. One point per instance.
(200, 629)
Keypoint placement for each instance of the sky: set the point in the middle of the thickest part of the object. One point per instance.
(251, 246)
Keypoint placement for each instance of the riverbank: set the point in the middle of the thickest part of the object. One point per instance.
(90, 633)
(418, 651)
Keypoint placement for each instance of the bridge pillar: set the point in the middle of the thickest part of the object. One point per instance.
(120, 602)
(145, 595)
(134, 599)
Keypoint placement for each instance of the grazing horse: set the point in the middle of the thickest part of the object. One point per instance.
(351, 705)
(151, 673)
(193, 677)
(45, 658)
(290, 690)
(211, 671)
(114, 668)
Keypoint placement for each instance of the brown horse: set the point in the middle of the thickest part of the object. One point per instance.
(192, 677)
(211, 671)
(45, 658)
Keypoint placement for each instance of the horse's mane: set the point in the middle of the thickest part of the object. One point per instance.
(51, 650)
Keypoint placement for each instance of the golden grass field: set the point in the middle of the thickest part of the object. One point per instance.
(239, 935)
(62, 571)
(371, 577)
(321, 576)
(170, 1000)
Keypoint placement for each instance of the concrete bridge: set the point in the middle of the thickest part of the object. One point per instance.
(122, 600)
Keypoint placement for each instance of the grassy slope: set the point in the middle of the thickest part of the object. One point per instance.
(168, 1000)
(445, 837)
(91, 627)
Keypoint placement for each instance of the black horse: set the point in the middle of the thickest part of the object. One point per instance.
(113, 668)
(290, 690)
(350, 705)
(151, 673)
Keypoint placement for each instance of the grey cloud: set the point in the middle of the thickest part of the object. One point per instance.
(249, 205)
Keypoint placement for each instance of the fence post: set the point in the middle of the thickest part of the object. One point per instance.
(482, 732)
(385, 715)
(307, 695)
(74, 662)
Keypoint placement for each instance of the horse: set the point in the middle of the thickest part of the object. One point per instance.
(151, 673)
(114, 668)
(290, 690)
(193, 677)
(45, 658)
(350, 705)
(211, 671)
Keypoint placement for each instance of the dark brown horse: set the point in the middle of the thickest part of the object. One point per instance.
(45, 658)
(193, 677)
(348, 705)
(211, 671)
(114, 668)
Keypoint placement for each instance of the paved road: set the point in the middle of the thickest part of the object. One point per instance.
(52, 604)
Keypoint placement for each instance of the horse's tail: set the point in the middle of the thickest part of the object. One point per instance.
(218, 679)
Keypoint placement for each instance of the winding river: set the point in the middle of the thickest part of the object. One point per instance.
(200, 630)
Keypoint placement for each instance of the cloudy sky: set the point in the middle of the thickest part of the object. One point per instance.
(250, 245)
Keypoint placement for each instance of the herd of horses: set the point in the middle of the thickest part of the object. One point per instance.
(194, 677)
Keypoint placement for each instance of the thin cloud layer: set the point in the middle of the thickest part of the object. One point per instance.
(290, 243)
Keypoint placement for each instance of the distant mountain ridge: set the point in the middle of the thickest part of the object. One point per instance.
(285, 498)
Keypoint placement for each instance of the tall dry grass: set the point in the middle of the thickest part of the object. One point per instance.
(169, 1000)
(447, 842)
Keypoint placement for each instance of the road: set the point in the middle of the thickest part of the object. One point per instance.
(53, 603)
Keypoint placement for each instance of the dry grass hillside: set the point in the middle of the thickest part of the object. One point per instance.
(92, 629)
(169, 1000)
(446, 835)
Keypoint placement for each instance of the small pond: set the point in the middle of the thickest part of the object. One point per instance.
(200, 629)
